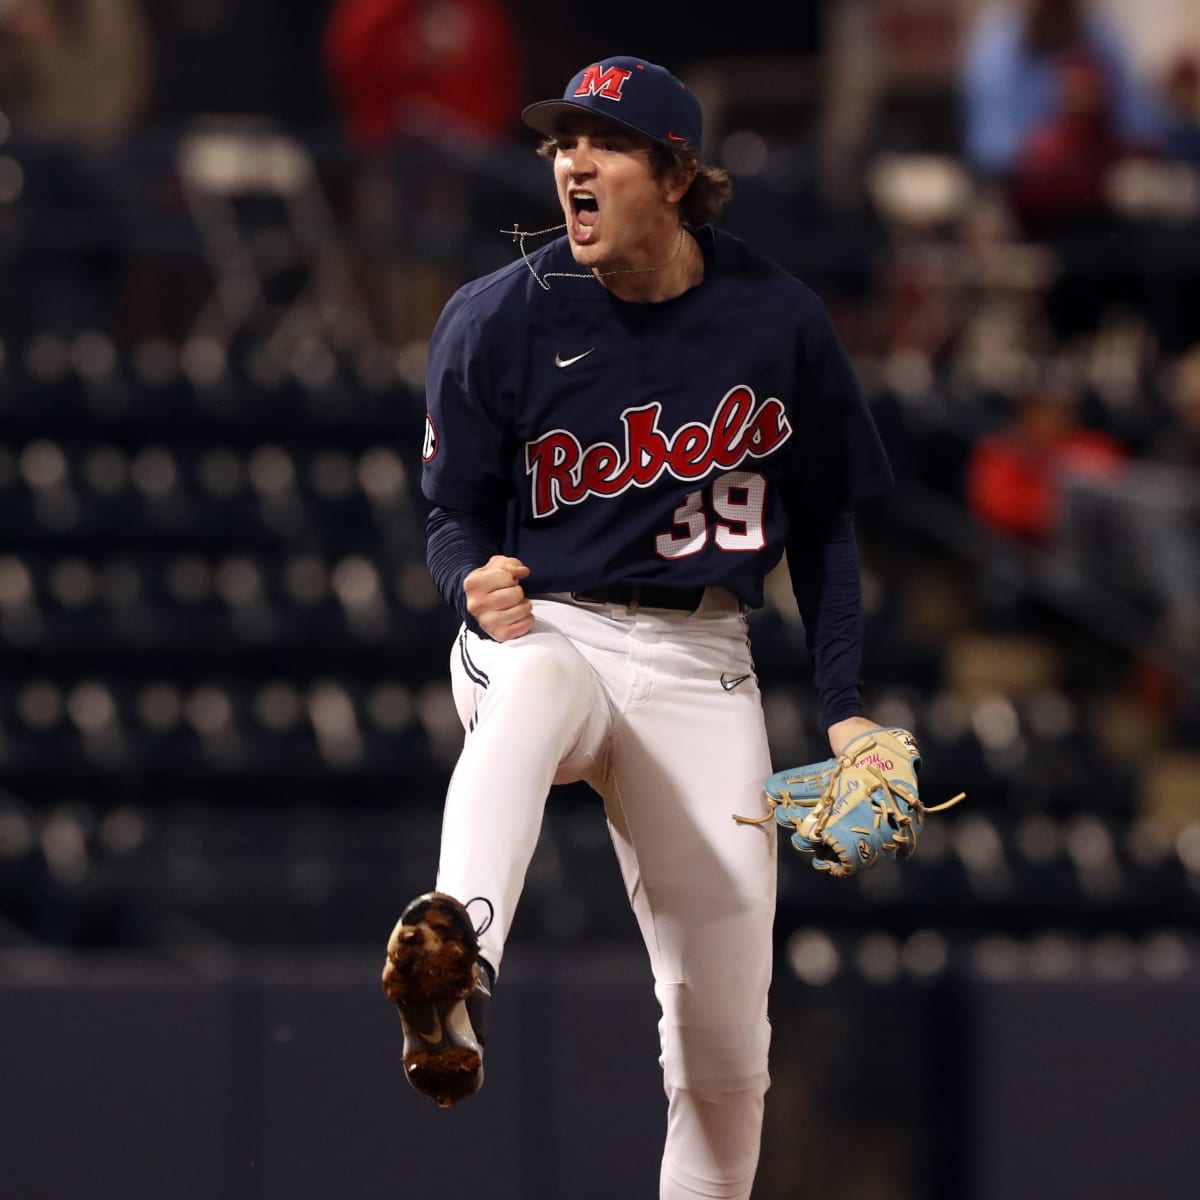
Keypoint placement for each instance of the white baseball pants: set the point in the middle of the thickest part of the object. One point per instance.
(633, 703)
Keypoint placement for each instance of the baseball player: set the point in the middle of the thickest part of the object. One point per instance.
(626, 429)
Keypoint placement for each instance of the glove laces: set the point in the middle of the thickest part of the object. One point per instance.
(900, 810)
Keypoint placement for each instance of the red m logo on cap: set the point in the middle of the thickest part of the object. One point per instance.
(597, 82)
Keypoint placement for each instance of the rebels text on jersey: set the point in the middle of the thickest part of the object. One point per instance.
(674, 444)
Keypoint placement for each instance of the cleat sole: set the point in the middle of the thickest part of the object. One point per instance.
(430, 971)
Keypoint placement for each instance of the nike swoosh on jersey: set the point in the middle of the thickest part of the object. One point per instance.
(729, 682)
(559, 361)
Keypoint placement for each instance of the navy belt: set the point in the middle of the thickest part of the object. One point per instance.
(678, 599)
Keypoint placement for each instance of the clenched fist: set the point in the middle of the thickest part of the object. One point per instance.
(496, 599)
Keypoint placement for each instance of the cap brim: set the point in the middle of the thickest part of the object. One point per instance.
(546, 115)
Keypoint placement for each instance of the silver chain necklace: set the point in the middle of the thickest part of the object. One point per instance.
(519, 235)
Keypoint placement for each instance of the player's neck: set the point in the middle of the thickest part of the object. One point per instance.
(679, 273)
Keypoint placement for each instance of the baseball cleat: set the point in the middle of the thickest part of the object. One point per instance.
(434, 977)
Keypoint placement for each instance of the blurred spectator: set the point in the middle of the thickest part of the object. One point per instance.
(75, 82)
(1143, 524)
(1178, 442)
(1129, 529)
(1059, 173)
(1011, 83)
(403, 64)
(1154, 33)
(75, 70)
(1181, 99)
(441, 77)
(1172, 488)
(1015, 476)
(1052, 110)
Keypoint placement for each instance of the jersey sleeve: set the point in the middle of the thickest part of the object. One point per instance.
(837, 458)
(839, 455)
(827, 582)
(455, 544)
(466, 451)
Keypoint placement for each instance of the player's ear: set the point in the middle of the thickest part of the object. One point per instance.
(676, 181)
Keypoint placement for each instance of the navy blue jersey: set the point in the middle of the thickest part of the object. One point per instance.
(675, 443)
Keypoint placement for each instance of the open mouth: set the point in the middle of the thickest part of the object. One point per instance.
(585, 211)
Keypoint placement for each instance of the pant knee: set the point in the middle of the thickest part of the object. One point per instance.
(708, 1055)
(712, 1086)
(714, 1039)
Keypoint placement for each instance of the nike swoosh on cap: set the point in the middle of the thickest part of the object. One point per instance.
(674, 137)
(559, 361)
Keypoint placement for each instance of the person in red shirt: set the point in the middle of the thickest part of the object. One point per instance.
(1062, 171)
(397, 65)
(1015, 476)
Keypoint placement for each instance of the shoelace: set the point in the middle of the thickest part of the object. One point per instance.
(485, 977)
(486, 923)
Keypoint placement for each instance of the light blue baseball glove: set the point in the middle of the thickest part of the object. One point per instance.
(847, 811)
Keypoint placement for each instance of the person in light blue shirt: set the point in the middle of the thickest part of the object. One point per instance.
(1010, 81)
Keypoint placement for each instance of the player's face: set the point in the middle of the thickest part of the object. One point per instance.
(618, 215)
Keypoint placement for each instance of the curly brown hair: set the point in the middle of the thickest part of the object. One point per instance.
(711, 188)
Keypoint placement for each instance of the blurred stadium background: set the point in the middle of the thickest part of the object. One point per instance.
(226, 229)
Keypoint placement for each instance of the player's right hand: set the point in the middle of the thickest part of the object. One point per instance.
(496, 599)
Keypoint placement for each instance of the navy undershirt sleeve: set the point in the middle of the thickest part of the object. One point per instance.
(455, 544)
(824, 568)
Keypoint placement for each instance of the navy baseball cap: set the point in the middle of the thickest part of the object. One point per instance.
(640, 95)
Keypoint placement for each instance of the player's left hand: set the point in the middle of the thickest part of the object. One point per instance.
(847, 811)
(842, 733)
